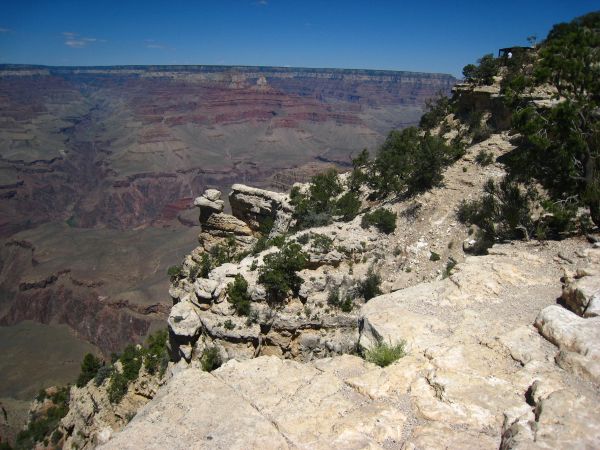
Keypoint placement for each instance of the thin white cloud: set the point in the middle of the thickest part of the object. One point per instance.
(262, 2)
(4, 30)
(155, 45)
(74, 40)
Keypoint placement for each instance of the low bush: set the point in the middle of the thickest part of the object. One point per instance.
(503, 212)
(103, 373)
(156, 354)
(382, 219)
(370, 286)
(210, 359)
(484, 72)
(321, 243)
(237, 293)
(279, 272)
(334, 299)
(174, 272)
(117, 388)
(484, 158)
(42, 427)
(89, 368)
(131, 360)
(384, 354)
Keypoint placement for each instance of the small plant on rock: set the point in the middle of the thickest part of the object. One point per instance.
(210, 359)
(484, 158)
(384, 354)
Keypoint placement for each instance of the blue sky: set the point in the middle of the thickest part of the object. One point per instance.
(428, 36)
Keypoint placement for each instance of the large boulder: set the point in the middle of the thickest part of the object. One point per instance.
(184, 320)
(258, 207)
(209, 203)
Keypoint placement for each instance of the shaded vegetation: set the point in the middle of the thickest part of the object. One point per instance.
(370, 286)
(382, 219)
(237, 294)
(210, 359)
(279, 272)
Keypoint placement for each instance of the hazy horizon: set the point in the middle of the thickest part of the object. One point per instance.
(434, 37)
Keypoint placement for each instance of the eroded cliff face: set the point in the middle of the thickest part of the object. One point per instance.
(121, 148)
(95, 144)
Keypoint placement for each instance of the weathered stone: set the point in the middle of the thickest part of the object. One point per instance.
(197, 409)
(205, 288)
(579, 294)
(572, 333)
(184, 320)
(212, 206)
(257, 206)
(212, 194)
(222, 224)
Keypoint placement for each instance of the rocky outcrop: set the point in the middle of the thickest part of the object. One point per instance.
(477, 375)
(260, 208)
(92, 419)
(576, 331)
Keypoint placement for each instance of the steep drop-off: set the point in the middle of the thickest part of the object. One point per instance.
(99, 167)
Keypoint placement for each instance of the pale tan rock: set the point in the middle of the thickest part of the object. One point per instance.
(385, 319)
(184, 320)
(222, 224)
(437, 435)
(572, 333)
(198, 410)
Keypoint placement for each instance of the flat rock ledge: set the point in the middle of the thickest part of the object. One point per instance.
(478, 375)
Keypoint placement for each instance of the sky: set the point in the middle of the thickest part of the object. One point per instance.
(422, 36)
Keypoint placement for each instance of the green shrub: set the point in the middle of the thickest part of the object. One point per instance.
(103, 373)
(321, 243)
(56, 437)
(303, 238)
(117, 388)
(484, 158)
(131, 359)
(210, 359)
(237, 293)
(42, 426)
(347, 206)
(437, 109)
(89, 368)
(278, 274)
(174, 272)
(333, 297)
(384, 220)
(434, 256)
(156, 355)
(358, 176)
(449, 266)
(384, 354)
(370, 286)
(409, 162)
(503, 212)
(319, 204)
(484, 72)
